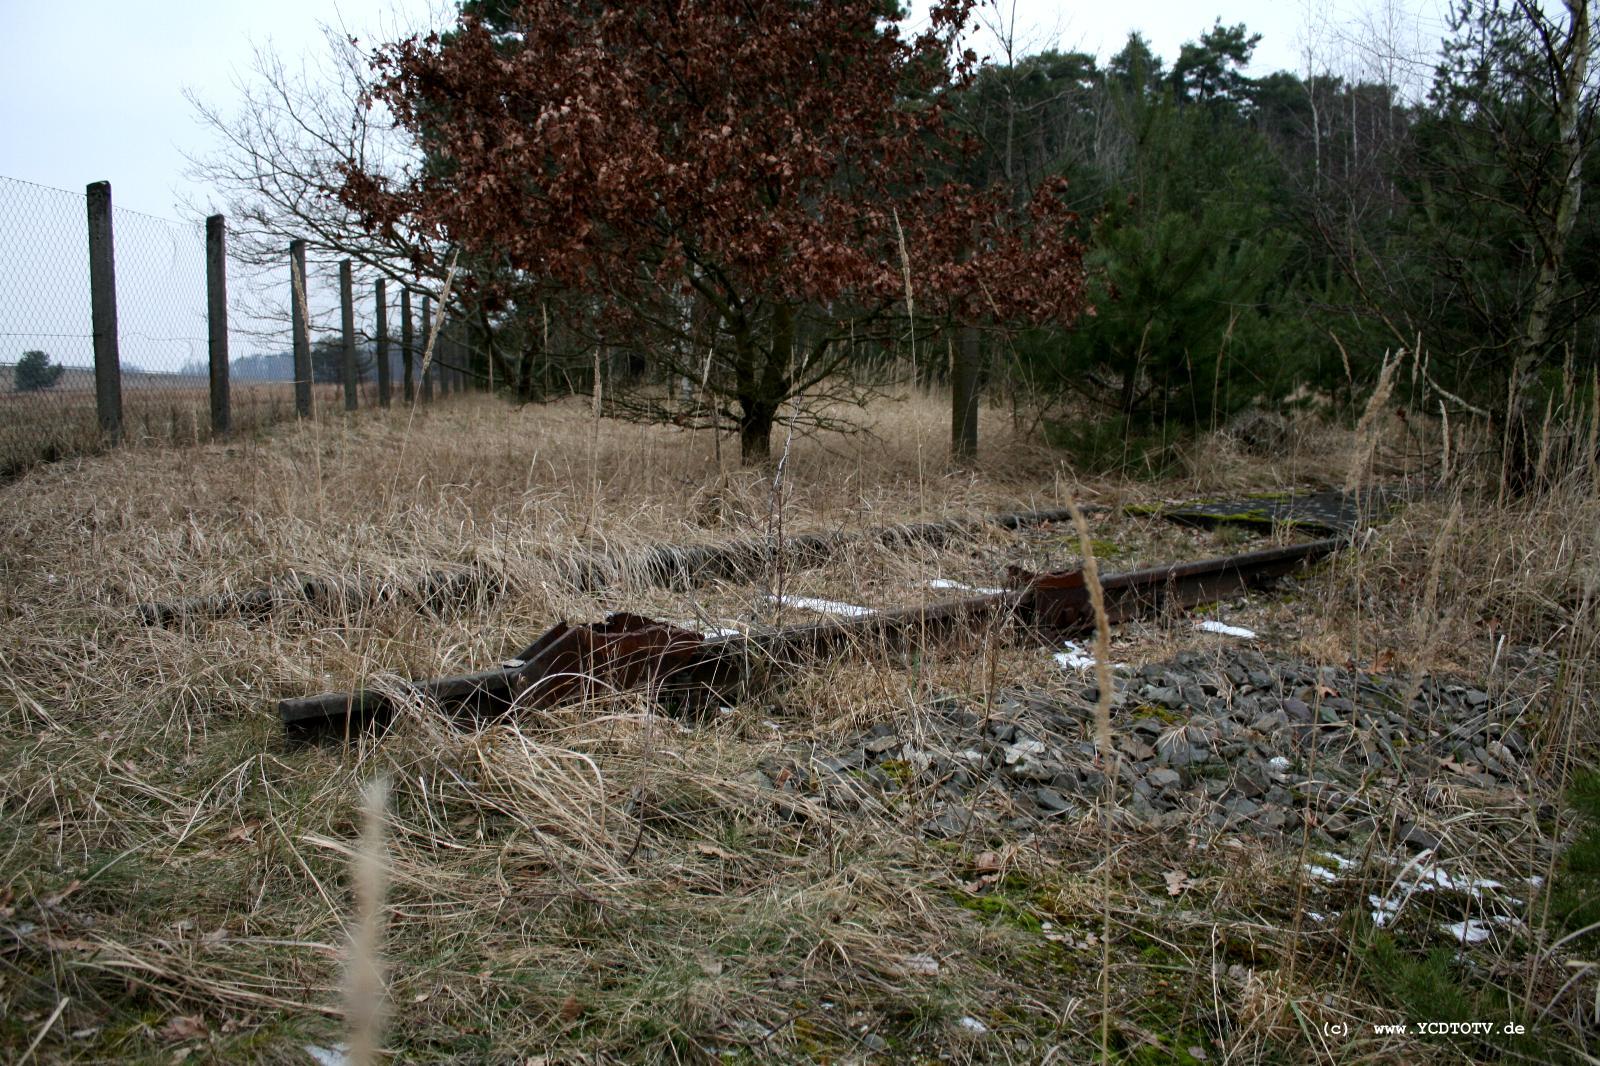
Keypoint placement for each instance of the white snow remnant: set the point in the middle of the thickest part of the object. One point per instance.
(1467, 932)
(1079, 658)
(1212, 626)
(810, 603)
(946, 583)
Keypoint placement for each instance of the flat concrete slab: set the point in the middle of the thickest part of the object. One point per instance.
(1332, 511)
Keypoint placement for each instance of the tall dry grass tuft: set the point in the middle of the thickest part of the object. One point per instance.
(1366, 427)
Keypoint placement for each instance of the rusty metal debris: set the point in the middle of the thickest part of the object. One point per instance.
(675, 566)
(626, 652)
(1060, 602)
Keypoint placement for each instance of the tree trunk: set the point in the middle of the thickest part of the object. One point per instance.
(755, 433)
(1552, 236)
(964, 396)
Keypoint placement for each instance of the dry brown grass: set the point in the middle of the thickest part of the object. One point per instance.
(62, 422)
(602, 881)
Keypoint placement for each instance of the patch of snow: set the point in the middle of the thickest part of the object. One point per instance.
(1321, 873)
(1416, 877)
(811, 603)
(972, 1024)
(1471, 886)
(1073, 659)
(1077, 657)
(1279, 765)
(946, 583)
(1468, 932)
(1383, 910)
(720, 631)
(1211, 626)
(324, 1056)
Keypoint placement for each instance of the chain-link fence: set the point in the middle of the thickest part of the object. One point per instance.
(160, 383)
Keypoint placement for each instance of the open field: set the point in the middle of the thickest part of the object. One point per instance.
(158, 408)
(850, 865)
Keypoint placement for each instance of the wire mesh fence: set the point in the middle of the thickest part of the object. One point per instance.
(50, 406)
(47, 362)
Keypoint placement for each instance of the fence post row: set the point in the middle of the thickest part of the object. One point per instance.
(302, 340)
(217, 321)
(383, 344)
(427, 332)
(103, 312)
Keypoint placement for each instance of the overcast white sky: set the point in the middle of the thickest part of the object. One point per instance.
(95, 89)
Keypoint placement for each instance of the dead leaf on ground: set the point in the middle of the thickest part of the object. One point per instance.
(184, 1027)
(987, 862)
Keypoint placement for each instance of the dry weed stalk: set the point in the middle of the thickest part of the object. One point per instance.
(1367, 428)
(1109, 759)
(364, 996)
(911, 307)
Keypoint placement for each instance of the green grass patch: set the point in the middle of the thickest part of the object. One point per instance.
(1575, 890)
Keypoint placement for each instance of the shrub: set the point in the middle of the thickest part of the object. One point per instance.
(35, 373)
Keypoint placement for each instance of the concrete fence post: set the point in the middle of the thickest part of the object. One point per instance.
(302, 338)
(217, 321)
(382, 341)
(103, 312)
(347, 329)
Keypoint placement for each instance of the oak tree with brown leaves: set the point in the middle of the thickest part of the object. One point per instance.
(741, 188)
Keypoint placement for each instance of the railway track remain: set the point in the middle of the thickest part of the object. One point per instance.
(674, 664)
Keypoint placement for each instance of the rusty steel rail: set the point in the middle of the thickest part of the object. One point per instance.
(674, 566)
(631, 652)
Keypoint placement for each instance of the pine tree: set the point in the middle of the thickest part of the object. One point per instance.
(34, 372)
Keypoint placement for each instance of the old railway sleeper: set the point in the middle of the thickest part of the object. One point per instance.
(675, 566)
